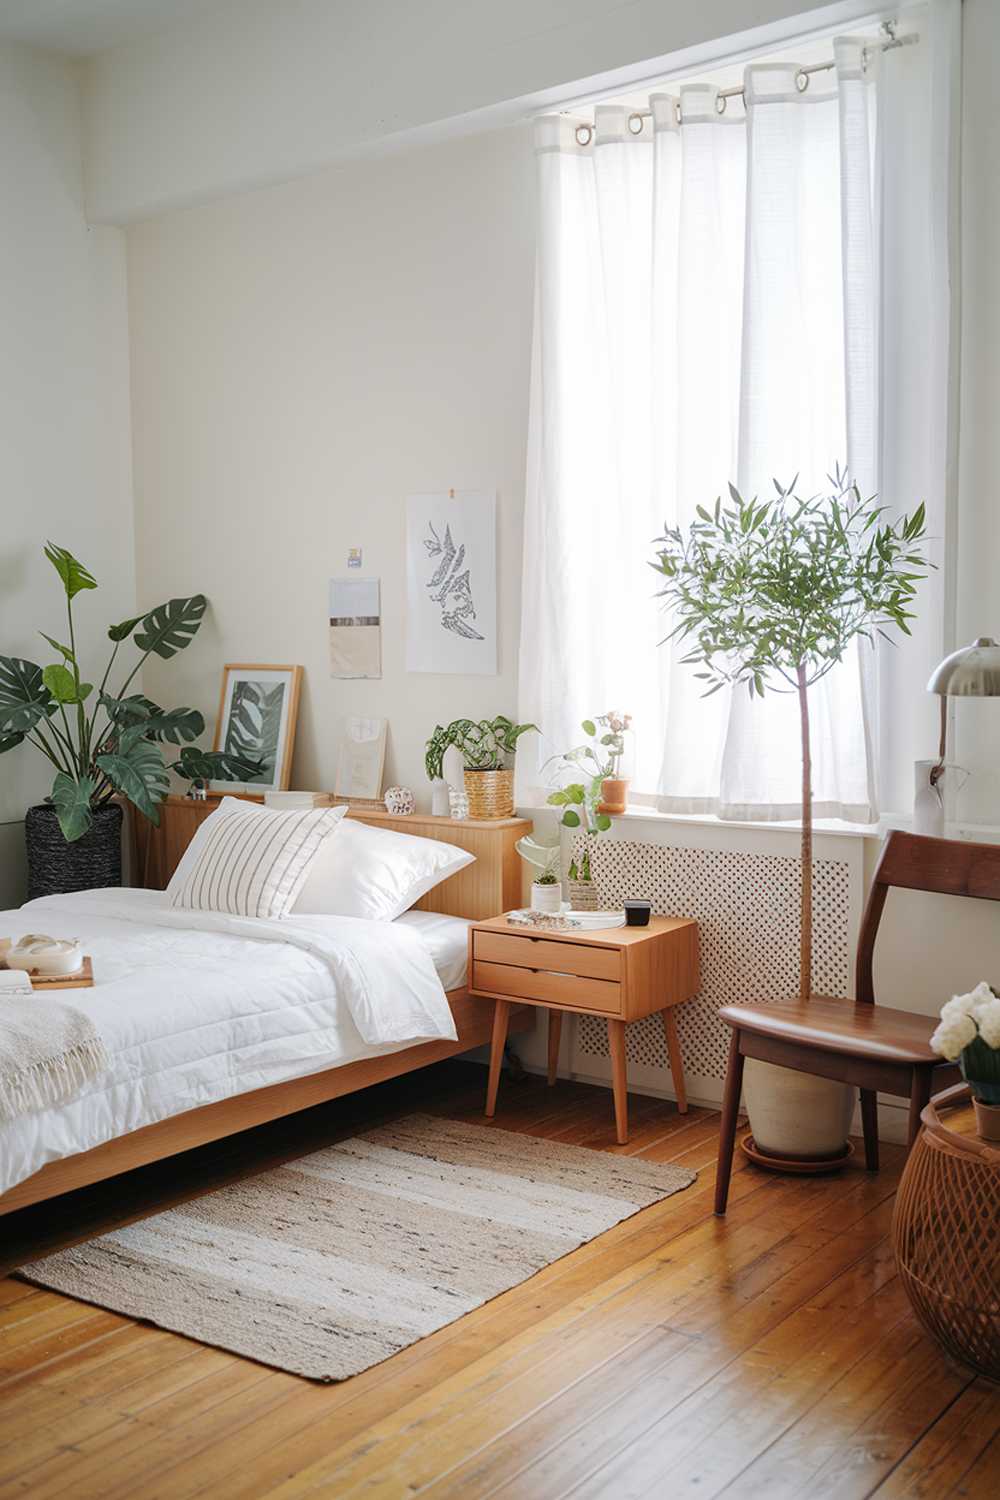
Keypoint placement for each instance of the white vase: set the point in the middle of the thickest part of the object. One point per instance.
(546, 897)
(440, 806)
(794, 1114)
(928, 807)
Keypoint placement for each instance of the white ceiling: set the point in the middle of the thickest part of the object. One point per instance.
(82, 27)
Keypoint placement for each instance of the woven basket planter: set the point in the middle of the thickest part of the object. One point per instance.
(490, 793)
(584, 895)
(945, 1238)
(55, 867)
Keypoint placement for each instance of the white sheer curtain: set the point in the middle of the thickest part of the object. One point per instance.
(708, 310)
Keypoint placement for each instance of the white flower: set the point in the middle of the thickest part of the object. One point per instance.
(967, 1005)
(955, 1032)
(988, 1019)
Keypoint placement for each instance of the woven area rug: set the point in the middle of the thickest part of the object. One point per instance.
(333, 1262)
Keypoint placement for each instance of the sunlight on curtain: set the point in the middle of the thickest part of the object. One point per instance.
(707, 310)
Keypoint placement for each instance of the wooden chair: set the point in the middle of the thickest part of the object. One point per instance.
(858, 1042)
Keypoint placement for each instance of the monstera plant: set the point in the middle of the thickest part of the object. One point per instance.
(103, 741)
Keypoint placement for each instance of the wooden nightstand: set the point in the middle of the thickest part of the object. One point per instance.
(621, 973)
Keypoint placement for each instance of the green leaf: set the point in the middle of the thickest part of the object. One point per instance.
(175, 726)
(136, 768)
(214, 765)
(71, 799)
(570, 818)
(67, 654)
(123, 629)
(9, 741)
(603, 822)
(73, 574)
(64, 687)
(589, 727)
(171, 626)
(24, 698)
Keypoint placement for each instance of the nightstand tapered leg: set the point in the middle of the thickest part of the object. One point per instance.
(501, 1016)
(676, 1060)
(555, 1032)
(616, 1045)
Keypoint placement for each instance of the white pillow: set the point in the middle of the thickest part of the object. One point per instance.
(375, 873)
(251, 861)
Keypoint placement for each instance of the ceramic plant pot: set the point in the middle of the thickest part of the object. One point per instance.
(546, 897)
(584, 896)
(490, 793)
(795, 1115)
(987, 1120)
(56, 867)
(614, 795)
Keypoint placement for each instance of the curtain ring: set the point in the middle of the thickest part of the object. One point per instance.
(720, 104)
(584, 134)
(677, 112)
(635, 122)
(802, 80)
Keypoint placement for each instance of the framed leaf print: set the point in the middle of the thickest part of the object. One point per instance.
(257, 716)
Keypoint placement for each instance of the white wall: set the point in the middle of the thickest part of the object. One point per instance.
(304, 357)
(64, 435)
(252, 92)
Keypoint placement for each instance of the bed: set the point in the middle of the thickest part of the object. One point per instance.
(198, 1052)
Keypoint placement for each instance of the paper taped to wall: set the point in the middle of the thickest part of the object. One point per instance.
(355, 627)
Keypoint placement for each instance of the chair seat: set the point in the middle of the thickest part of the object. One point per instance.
(835, 1025)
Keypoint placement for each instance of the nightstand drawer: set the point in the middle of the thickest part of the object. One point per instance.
(542, 953)
(546, 987)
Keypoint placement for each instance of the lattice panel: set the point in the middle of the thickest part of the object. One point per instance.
(747, 908)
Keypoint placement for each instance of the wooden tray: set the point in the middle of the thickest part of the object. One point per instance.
(83, 979)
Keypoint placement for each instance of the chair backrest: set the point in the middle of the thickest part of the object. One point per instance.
(948, 867)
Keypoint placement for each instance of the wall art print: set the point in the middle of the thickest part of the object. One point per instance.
(257, 716)
(451, 583)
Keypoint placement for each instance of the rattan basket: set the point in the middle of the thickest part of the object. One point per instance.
(946, 1236)
(584, 895)
(490, 793)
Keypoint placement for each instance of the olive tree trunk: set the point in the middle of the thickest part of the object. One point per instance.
(805, 924)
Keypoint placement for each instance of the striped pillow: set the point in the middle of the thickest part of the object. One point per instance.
(251, 861)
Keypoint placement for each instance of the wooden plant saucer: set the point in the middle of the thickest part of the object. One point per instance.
(83, 979)
(802, 1166)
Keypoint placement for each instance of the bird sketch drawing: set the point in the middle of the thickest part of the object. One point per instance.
(449, 584)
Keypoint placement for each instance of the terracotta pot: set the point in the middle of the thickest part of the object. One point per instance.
(987, 1120)
(614, 795)
(796, 1115)
(490, 793)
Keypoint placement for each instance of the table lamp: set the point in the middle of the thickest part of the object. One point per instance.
(971, 672)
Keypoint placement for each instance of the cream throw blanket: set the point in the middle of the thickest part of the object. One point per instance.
(48, 1051)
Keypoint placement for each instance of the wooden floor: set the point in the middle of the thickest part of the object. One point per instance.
(769, 1355)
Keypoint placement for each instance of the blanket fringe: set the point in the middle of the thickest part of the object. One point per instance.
(51, 1080)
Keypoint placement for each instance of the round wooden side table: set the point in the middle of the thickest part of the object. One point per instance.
(946, 1232)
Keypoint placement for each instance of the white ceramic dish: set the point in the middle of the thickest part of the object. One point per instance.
(48, 957)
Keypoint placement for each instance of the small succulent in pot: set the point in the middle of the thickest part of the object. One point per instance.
(969, 1034)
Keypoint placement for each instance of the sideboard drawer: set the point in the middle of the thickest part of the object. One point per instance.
(547, 987)
(542, 953)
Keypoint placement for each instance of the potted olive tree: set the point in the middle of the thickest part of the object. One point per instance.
(104, 745)
(768, 595)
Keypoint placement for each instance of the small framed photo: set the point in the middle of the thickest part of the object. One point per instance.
(258, 710)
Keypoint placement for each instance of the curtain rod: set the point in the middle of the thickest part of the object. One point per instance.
(585, 133)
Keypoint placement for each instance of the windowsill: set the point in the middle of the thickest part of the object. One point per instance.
(826, 826)
(985, 833)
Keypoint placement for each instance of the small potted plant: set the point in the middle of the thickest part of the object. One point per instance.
(614, 786)
(546, 891)
(487, 750)
(969, 1034)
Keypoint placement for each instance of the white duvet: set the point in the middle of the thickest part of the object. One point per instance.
(196, 1006)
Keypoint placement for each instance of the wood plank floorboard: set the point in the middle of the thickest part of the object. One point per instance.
(763, 1357)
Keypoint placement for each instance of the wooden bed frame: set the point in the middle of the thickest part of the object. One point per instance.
(484, 889)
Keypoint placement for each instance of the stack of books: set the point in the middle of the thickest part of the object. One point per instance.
(287, 801)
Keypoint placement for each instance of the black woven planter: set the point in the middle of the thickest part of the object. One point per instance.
(55, 867)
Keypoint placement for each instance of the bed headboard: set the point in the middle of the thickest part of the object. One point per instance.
(485, 889)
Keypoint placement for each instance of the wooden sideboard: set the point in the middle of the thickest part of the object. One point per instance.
(491, 885)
